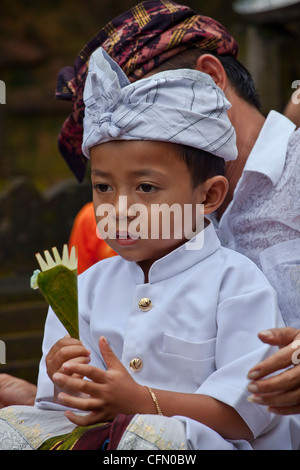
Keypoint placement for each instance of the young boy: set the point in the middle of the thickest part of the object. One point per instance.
(174, 313)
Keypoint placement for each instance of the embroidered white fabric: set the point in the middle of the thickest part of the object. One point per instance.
(10, 439)
(153, 432)
(27, 427)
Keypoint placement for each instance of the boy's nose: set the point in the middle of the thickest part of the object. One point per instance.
(125, 207)
(121, 207)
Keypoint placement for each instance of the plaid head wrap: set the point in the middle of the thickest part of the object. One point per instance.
(138, 40)
(179, 106)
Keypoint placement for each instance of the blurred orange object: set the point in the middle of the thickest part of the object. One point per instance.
(89, 245)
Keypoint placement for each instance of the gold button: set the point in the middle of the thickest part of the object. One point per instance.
(136, 364)
(145, 304)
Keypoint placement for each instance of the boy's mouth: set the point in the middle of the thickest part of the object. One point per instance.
(125, 238)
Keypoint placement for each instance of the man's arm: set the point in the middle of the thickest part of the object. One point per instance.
(15, 391)
(281, 392)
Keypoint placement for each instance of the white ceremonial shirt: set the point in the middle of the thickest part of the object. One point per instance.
(263, 219)
(199, 336)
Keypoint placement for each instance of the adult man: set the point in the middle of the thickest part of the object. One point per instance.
(260, 217)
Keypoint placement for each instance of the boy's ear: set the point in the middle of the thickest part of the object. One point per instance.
(215, 190)
(211, 65)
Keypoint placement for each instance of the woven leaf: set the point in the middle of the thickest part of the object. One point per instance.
(58, 283)
(59, 287)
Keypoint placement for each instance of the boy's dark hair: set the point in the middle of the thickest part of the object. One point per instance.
(202, 165)
(238, 76)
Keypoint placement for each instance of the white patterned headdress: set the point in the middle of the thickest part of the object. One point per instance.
(180, 106)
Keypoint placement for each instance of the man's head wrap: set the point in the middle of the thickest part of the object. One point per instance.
(178, 106)
(139, 41)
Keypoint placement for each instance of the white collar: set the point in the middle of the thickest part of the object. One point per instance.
(269, 151)
(179, 259)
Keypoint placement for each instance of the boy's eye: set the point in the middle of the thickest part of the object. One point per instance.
(147, 188)
(102, 188)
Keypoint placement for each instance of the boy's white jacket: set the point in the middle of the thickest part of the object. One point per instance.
(199, 336)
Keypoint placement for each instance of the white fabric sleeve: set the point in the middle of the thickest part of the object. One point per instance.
(238, 349)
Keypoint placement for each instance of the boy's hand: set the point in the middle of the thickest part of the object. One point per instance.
(64, 350)
(109, 392)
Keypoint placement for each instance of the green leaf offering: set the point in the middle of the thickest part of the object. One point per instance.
(57, 281)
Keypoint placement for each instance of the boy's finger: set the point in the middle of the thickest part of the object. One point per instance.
(75, 386)
(110, 359)
(72, 352)
(63, 342)
(84, 370)
(83, 419)
(84, 404)
(79, 360)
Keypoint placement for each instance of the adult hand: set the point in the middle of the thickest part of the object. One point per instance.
(280, 392)
(105, 394)
(16, 391)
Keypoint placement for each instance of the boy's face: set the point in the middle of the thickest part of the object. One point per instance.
(131, 180)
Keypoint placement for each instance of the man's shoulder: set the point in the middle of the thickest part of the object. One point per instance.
(294, 142)
(289, 182)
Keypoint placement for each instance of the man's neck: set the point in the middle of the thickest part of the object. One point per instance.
(248, 122)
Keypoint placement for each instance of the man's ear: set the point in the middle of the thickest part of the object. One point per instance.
(211, 65)
(215, 190)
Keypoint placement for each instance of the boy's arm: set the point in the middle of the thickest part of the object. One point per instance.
(215, 414)
(114, 391)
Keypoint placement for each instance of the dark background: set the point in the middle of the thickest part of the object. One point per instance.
(37, 38)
